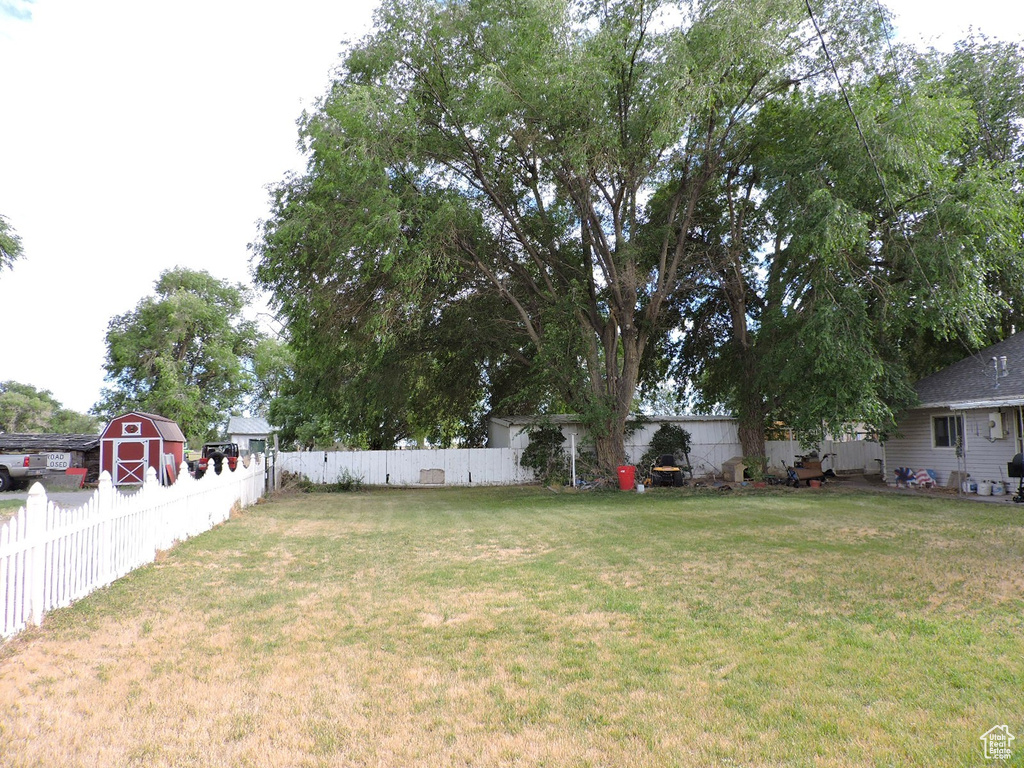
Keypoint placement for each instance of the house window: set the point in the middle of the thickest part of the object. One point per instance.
(947, 431)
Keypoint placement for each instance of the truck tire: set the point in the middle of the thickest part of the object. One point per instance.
(5, 481)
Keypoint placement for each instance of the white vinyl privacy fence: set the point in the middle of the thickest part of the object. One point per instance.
(456, 466)
(853, 456)
(51, 556)
(500, 466)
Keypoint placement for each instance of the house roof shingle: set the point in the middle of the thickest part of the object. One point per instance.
(977, 380)
(43, 443)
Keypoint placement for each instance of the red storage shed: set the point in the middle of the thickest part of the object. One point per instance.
(135, 441)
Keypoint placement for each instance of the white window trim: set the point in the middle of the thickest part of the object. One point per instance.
(957, 418)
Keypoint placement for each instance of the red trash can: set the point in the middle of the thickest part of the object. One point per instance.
(627, 476)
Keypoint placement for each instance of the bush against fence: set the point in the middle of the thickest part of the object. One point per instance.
(51, 556)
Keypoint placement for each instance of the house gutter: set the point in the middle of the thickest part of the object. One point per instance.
(969, 405)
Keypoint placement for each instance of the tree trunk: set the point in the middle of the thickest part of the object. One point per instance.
(611, 451)
(752, 438)
(613, 373)
(752, 411)
(751, 408)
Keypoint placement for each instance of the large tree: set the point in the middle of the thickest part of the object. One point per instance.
(23, 408)
(10, 244)
(515, 145)
(184, 353)
(858, 230)
(372, 367)
(988, 75)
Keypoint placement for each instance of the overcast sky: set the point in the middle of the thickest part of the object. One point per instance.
(138, 136)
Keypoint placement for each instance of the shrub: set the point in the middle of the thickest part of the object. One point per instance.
(756, 467)
(546, 457)
(346, 482)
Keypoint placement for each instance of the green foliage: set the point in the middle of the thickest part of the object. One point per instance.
(273, 365)
(23, 408)
(546, 456)
(183, 353)
(668, 438)
(10, 244)
(989, 76)
(862, 249)
(509, 206)
(501, 156)
(385, 348)
(756, 467)
(347, 482)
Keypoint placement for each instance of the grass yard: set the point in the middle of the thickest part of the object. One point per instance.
(517, 627)
(9, 508)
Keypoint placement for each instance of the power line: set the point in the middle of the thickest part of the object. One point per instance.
(849, 105)
(867, 147)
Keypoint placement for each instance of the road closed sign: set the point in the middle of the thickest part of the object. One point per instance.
(58, 461)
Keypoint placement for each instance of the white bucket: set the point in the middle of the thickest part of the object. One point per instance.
(640, 488)
(984, 488)
(998, 489)
(969, 486)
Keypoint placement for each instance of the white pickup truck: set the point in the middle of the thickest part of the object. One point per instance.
(17, 468)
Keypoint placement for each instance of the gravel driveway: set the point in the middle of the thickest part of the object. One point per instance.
(64, 498)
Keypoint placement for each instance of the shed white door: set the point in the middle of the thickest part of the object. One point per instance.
(131, 457)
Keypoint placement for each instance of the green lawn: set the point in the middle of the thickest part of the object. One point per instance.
(500, 627)
(9, 508)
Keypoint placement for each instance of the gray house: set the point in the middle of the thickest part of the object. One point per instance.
(970, 420)
(250, 433)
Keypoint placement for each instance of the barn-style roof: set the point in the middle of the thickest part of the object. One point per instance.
(991, 378)
(26, 443)
(167, 429)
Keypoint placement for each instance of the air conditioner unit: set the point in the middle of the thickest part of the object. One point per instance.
(995, 426)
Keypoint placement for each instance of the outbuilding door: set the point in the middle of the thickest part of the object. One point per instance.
(131, 457)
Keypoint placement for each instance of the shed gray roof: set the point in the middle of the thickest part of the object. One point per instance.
(976, 381)
(242, 425)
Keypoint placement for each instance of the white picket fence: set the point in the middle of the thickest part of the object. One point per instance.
(51, 556)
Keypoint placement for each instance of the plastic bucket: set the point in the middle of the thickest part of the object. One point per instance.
(627, 476)
(984, 488)
(998, 489)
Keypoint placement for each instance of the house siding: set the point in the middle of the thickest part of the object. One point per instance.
(984, 458)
